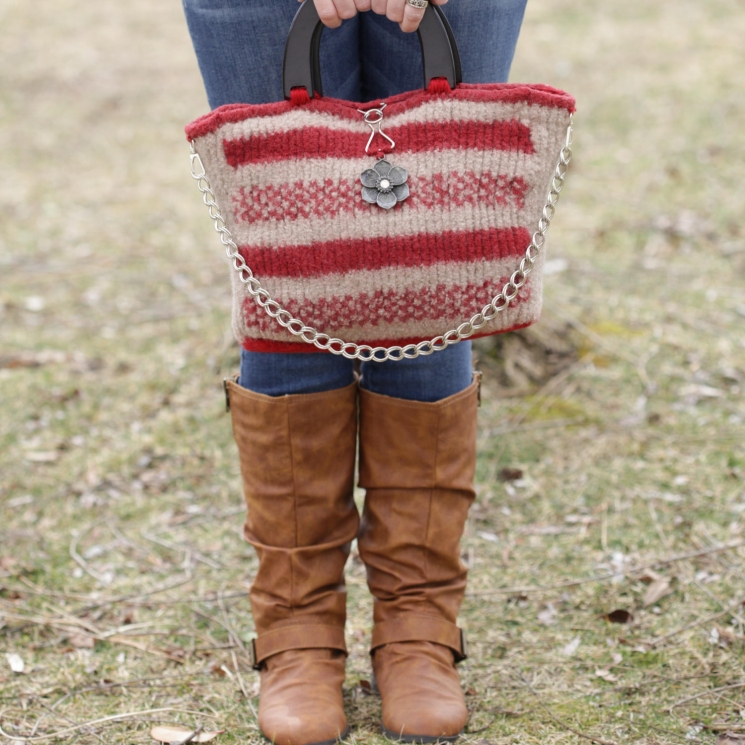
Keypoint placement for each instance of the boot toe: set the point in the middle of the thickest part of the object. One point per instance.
(420, 687)
(301, 698)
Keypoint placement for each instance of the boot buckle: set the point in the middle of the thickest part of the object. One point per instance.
(251, 650)
(463, 655)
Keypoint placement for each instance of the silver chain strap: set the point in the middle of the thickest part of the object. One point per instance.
(363, 352)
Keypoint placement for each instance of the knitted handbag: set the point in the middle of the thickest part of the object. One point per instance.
(385, 230)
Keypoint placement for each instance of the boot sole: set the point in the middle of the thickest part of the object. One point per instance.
(333, 741)
(399, 737)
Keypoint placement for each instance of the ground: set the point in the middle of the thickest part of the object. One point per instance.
(606, 546)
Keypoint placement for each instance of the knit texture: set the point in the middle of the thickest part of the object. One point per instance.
(287, 179)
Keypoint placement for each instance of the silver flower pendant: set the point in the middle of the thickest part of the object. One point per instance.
(384, 184)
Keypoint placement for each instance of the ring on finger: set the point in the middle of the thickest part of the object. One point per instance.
(421, 4)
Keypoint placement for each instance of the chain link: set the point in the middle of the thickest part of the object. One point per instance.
(363, 352)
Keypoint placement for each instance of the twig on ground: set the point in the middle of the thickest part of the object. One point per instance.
(700, 694)
(244, 690)
(103, 720)
(560, 722)
(177, 680)
(607, 577)
(64, 625)
(64, 716)
(693, 624)
(657, 525)
(186, 550)
(191, 736)
(80, 560)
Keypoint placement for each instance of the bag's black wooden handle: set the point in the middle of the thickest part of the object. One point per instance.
(302, 69)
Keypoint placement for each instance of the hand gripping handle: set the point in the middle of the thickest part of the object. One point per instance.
(301, 67)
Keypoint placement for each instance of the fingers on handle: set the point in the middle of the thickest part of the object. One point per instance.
(327, 13)
(395, 10)
(345, 8)
(412, 18)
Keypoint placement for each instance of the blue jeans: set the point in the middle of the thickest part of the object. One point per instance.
(240, 47)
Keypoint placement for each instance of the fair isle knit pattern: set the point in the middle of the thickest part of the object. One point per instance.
(287, 179)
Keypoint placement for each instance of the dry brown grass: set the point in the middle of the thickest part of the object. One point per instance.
(123, 573)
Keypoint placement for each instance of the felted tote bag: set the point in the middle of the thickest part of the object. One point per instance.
(390, 229)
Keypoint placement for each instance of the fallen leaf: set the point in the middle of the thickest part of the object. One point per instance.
(41, 456)
(545, 530)
(487, 536)
(725, 638)
(617, 658)
(656, 591)
(15, 662)
(730, 738)
(510, 474)
(367, 688)
(8, 594)
(81, 641)
(9, 362)
(471, 692)
(580, 520)
(705, 391)
(176, 733)
(649, 576)
(619, 616)
(548, 615)
(606, 675)
(572, 647)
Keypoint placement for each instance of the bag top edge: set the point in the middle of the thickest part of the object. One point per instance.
(514, 93)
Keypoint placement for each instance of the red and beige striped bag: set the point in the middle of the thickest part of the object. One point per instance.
(384, 230)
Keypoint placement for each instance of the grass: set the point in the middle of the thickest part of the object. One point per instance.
(123, 573)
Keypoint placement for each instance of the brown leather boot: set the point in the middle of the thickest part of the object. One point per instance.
(417, 463)
(297, 460)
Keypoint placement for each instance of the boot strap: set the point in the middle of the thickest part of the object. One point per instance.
(416, 628)
(300, 636)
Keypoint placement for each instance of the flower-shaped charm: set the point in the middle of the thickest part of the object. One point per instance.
(384, 184)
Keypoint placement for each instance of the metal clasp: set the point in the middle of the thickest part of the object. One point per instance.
(374, 118)
(196, 162)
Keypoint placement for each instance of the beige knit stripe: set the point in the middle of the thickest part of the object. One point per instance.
(305, 171)
(398, 279)
(438, 110)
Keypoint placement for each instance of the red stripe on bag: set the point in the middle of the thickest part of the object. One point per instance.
(424, 249)
(416, 137)
(370, 310)
(327, 199)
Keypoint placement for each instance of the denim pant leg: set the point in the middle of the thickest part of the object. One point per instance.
(240, 47)
(486, 32)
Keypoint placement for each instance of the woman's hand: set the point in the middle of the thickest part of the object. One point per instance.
(332, 12)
